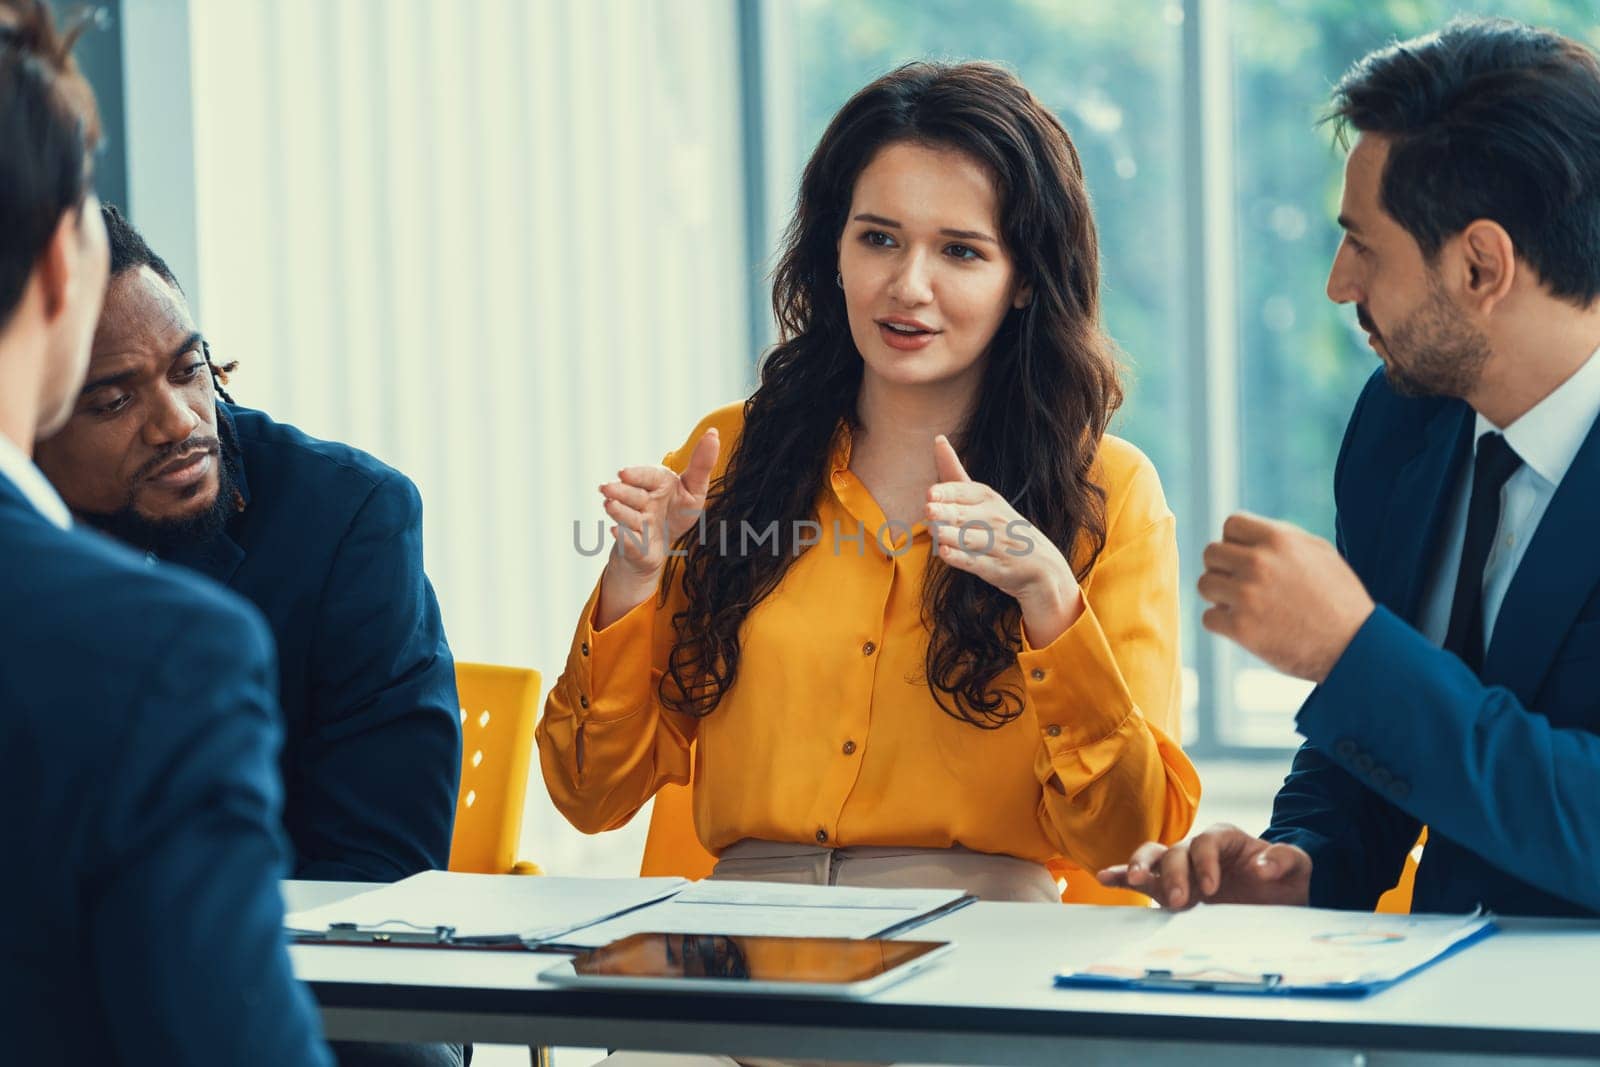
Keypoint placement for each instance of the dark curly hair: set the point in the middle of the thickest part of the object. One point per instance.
(1049, 388)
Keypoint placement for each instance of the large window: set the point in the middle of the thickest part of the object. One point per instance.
(1302, 360)
(1215, 193)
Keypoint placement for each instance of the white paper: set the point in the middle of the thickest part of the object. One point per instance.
(753, 909)
(532, 907)
(1307, 947)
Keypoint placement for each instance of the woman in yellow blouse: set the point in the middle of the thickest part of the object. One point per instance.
(916, 611)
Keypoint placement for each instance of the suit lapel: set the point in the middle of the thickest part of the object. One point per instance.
(1417, 504)
(1557, 574)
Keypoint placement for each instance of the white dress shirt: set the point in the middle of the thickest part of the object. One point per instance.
(20, 471)
(1546, 438)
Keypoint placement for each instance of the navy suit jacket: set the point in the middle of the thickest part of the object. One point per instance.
(1504, 771)
(138, 733)
(327, 543)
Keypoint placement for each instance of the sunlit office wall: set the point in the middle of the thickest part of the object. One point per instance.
(500, 245)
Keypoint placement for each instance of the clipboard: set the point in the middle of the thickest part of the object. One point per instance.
(1255, 950)
(400, 932)
(443, 909)
(1214, 980)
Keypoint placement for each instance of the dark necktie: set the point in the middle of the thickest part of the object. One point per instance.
(1494, 464)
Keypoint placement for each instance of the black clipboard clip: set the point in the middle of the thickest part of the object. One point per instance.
(1216, 979)
(355, 934)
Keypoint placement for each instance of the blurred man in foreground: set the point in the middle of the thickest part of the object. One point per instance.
(138, 727)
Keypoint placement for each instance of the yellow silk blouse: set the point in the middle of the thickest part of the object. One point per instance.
(830, 733)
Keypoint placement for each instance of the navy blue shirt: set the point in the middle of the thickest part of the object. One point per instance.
(327, 542)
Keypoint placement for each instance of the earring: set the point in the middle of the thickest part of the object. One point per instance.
(839, 278)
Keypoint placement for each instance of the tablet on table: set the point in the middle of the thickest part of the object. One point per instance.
(720, 963)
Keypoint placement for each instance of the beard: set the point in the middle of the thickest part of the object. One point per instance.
(165, 536)
(1433, 352)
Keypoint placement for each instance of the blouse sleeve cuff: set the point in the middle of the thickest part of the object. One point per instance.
(1076, 688)
(611, 666)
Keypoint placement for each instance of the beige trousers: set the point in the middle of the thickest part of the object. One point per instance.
(985, 876)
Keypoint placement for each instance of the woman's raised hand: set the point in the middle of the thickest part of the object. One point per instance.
(978, 531)
(651, 507)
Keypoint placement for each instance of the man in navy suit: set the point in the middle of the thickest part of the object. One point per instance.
(138, 730)
(1454, 634)
(323, 538)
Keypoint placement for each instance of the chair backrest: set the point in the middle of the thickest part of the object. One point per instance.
(499, 707)
(671, 847)
(1397, 901)
(1079, 886)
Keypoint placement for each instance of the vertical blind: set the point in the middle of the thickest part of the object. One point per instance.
(498, 244)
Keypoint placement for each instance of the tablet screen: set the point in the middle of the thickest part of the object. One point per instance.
(750, 959)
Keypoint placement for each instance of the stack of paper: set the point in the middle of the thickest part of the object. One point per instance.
(1254, 949)
(751, 909)
(442, 907)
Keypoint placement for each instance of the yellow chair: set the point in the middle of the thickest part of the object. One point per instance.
(1397, 901)
(499, 707)
(671, 847)
(1079, 886)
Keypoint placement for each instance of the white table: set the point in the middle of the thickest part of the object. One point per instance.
(1527, 994)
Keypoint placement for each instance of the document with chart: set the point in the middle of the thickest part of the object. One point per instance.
(1239, 948)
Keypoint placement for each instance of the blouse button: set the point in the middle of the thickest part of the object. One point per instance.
(584, 648)
(1038, 674)
(822, 837)
(868, 649)
(849, 748)
(1053, 730)
(583, 702)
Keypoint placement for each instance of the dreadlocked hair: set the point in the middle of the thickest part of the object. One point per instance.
(1049, 388)
(219, 375)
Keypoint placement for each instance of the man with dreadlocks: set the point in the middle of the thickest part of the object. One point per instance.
(324, 539)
